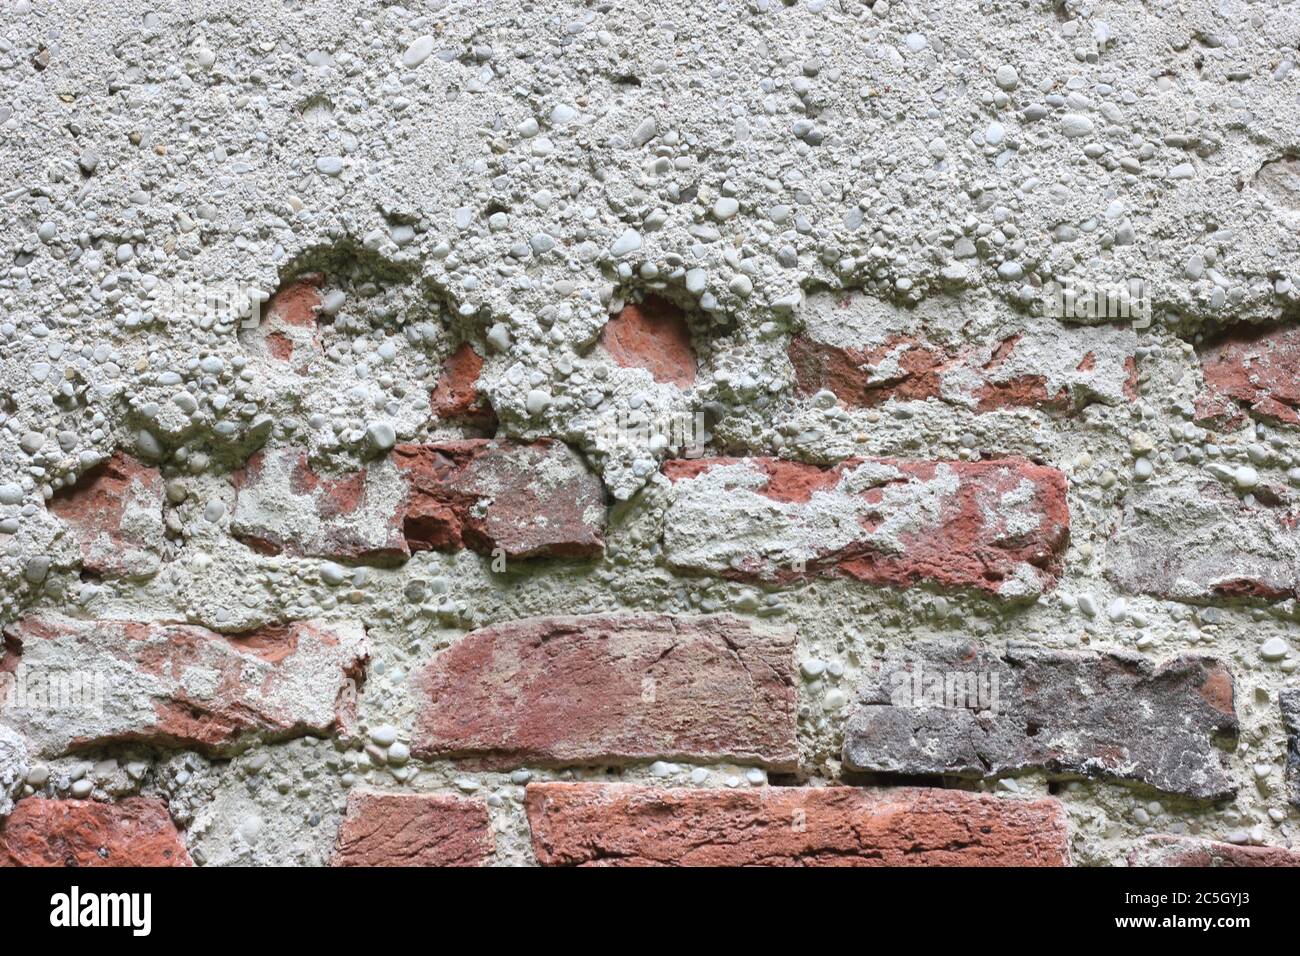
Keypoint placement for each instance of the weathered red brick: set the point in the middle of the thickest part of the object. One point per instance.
(611, 689)
(132, 832)
(996, 526)
(868, 352)
(625, 825)
(185, 686)
(652, 335)
(1256, 367)
(456, 395)
(529, 500)
(116, 513)
(284, 506)
(946, 708)
(1189, 851)
(413, 829)
(287, 331)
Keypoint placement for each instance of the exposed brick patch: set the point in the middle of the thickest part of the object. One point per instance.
(927, 711)
(622, 825)
(1289, 701)
(1189, 851)
(530, 500)
(1203, 543)
(994, 526)
(613, 688)
(284, 506)
(287, 331)
(132, 832)
(868, 352)
(652, 335)
(116, 513)
(456, 395)
(1258, 369)
(185, 686)
(413, 829)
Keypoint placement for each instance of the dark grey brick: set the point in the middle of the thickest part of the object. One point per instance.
(1113, 716)
(1290, 700)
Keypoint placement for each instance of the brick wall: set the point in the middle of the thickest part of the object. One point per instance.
(641, 460)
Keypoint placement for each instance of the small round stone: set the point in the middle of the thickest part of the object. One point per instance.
(419, 51)
(1274, 649)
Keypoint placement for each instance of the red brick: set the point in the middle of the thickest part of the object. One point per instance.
(529, 500)
(624, 825)
(652, 335)
(1189, 851)
(996, 526)
(132, 832)
(116, 514)
(177, 685)
(456, 395)
(612, 689)
(1258, 368)
(413, 829)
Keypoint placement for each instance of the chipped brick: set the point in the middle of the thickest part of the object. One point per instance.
(287, 331)
(530, 500)
(456, 395)
(178, 685)
(590, 824)
(612, 689)
(993, 526)
(1258, 369)
(1189, 851)
(284, 506)
(868, 352)
(116, 514)
(1203, 543)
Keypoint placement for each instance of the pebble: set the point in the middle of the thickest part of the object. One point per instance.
(333, 574)
(419, 51)
(381, 437)
(385, 735)
(646, 131)
(1274, 649)
(537, 401)
(812, 668)
(1075, 125)
(329, 165)
(626, 244)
